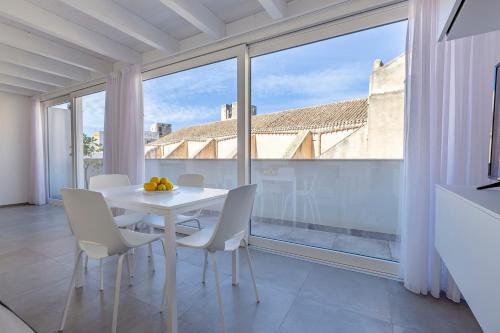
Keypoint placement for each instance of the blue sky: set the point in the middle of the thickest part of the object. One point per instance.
(317, 73)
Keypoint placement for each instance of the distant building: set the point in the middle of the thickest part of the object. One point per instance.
(98, 136)
(362, 128)
(230, 111)
(150, 136)
(161, 128)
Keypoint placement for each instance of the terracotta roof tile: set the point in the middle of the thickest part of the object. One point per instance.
(320, 118)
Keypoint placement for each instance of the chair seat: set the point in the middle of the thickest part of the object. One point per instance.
(199, 239)
(135, 239)
(158, 222)
(127, 220)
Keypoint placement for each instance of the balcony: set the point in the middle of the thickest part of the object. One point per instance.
(344, 205)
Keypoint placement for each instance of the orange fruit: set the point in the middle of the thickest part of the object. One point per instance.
(150, 187)
(164, 181)
(154, 180)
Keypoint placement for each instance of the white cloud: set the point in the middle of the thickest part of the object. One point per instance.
(208, 79)
(93, 112)
(315, 85)
(174, 114)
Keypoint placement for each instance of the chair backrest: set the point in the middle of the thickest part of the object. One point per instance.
(191, 179)
(91, 220)
(235, 215)
(100, 182)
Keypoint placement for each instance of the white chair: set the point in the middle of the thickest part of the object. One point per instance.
(187, 179)
(227, 235)
(126, 220)
(100, 182)
(97, 235)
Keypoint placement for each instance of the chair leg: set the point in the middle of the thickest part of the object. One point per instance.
(129, 269)
(70, 292)
(205, 264)
(152, 256)
(150, 248)
(101, 275)
(86, 262)
(117, 292)
(164, 300)
(250, 267)
(217, 285)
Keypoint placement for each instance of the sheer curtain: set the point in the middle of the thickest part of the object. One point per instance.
(124, 124)
(37, 194)
(448, 114)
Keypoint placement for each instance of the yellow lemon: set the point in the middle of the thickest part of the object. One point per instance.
(169, 186)
(150, 187)
(154, 180)
(164, 180)
(162, 187)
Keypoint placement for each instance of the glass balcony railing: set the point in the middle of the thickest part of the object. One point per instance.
(344, 205)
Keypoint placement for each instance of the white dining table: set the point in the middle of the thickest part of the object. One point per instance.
(168, 204)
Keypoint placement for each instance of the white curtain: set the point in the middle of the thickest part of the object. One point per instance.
(124, 124)
(448, 114)
(37, 194)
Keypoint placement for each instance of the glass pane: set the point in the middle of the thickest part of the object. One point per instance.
(91, 108)
(190, 125)
(327, 142)
(59, 149)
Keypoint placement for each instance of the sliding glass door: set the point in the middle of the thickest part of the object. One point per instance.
(327, 142)
(59, 148)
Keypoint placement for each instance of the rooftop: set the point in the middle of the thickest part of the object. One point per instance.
(337, 116)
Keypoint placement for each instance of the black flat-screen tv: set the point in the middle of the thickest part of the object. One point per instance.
(494, 163)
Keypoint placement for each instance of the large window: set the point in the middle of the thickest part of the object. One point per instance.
(327, 142)
(190, 126)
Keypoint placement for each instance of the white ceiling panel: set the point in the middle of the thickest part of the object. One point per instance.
(160, 16)
(61, 9)
(232, 10)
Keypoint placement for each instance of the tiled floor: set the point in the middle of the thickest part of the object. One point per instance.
(36, 257)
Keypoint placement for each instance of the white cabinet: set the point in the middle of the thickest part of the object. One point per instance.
(462, 18)
(468, 241)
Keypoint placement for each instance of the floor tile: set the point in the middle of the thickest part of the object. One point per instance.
(307, 315)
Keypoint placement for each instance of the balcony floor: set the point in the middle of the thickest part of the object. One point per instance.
(36, 257)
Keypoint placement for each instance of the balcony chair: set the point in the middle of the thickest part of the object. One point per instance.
(99, 237)
(187, 179)
(127, 220)
(227, 235)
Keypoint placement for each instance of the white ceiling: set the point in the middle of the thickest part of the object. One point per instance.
(49, 44)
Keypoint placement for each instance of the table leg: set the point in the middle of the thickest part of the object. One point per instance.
(170, 265)
(79, 270)
(236, 267)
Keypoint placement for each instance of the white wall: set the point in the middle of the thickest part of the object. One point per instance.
(14, 148)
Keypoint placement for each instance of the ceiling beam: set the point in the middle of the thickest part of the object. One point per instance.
(23, 83)
(19, 57)
(124, 21)
(33, 75)
(47, 48)
(16, 90)
(198, 15)
(42, 20)
(275, 8)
